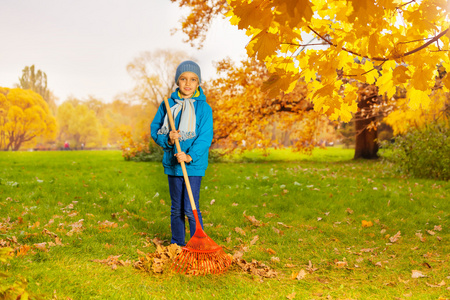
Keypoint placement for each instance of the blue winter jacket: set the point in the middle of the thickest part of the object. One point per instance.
(197, 147)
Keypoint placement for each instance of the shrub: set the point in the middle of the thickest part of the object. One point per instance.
(422, 153)
(143, 149)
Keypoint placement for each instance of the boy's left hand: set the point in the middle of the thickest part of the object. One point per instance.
(183, 157)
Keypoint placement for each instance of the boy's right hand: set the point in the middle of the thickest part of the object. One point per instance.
(174, 135)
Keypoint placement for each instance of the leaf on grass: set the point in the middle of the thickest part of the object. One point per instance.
(365, 223)
(23, 249)
(49, 233)
(253, 220)
(106, 224)
(157, 241)
(420, 236)
(277, 231)
(235, 204)
(417, 274)
(254, 240)
(311, 268)
(113, 261)
(300, 275)
(77, 227)
(271, 251)
(212, 201)
(284, 225)
(340, 264)
(275, 259)
(366, 250)
(239, 230)
(395, 238)
(271, 215)
(438, 228)
(256, 268)
(441, 284)
(431, 232)
(41, 246)
(291, 296)
(290, 266)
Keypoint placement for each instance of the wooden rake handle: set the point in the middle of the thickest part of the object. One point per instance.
(183, 166)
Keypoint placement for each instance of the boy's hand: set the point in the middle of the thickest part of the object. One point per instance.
(173, 135)
(183, 157)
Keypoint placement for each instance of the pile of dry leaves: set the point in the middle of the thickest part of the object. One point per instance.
(160, 261)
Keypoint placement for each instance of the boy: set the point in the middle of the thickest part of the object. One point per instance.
(193, 118)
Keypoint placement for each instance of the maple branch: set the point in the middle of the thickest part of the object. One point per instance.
(300, 45)
(427, 43)
(434, 39)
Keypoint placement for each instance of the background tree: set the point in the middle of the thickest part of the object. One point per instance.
(79, 125)
(24, 115)
(153, 73)
(37, 82)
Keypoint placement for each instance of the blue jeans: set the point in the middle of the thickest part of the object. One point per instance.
(181, 207)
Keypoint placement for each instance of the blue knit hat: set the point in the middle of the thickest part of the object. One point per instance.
(188, 66)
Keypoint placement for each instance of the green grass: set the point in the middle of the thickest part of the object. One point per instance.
(323, 199)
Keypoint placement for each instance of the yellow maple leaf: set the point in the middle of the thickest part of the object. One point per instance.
(264, 44)
(365, 223)
(418, 98)
(399, 75)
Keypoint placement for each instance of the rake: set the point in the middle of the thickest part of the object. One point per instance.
(201, 255)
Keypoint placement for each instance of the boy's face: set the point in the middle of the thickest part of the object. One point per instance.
(188, 83)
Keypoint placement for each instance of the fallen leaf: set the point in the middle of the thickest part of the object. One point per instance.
(417, 274)
(275, 259)
(271, 215)
(311, 268)
(212, 201)
(106, 224)
(41, 246)
(49, 233)
(291, 296)
(441, 284)
(271, 251)
(349, 211)
(366, 223)
(431, 232)
(254, 240)
(278, 231)
(340, 264)
(253, 220)
(395, 238)
(301, 275)
(438, 227)
(23, 249)
(239, 230)
(284, 225)
(420, 236)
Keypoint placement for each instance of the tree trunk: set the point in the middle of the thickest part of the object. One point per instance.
(366, 145)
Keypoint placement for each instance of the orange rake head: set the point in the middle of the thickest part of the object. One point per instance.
(201, 255)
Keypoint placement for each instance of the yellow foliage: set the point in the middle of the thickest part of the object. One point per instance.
(404, 40)
(24, 115)
(425, 110)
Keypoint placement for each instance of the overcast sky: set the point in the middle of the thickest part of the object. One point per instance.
(84, 46)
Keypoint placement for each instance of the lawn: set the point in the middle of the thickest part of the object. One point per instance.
(330, 227)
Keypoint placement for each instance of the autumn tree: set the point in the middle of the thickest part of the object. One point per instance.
(153, 74)
(245, 117)
(388, 44)
(24, 116)
(37, 82)
(78, 124)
